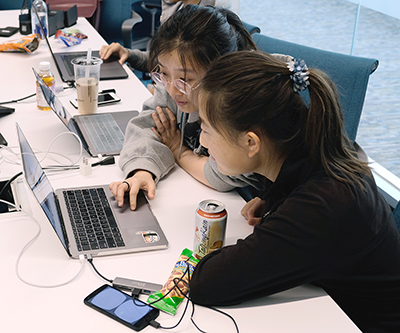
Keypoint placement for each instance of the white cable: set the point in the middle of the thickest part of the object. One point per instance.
(47, 153)
(80, 146)
(81, 259)
(9, 149)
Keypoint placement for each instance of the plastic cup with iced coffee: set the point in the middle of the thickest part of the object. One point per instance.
(87, 76)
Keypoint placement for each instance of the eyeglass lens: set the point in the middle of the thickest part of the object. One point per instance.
(181, 85)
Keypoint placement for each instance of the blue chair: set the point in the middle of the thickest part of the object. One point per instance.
(349, 73)
(11, 4)
(141, 33)
(113, 14)
(129, 22)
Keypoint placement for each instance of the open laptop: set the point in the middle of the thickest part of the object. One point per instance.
(109, 69)
(87, 220)
(100, 133)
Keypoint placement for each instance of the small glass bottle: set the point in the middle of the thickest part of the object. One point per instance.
(48, 78)
(40, 14)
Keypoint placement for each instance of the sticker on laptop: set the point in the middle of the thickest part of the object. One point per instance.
(149, 236)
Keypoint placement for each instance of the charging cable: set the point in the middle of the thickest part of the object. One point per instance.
(25, 248)
(137, 291)
(47, 152)
(58, 90)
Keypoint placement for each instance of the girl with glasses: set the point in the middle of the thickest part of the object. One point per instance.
(322, 219)
(167, 130)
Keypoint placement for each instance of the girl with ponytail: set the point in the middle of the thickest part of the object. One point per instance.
(321, 219)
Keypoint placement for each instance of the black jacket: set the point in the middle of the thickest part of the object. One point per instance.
(320, 231)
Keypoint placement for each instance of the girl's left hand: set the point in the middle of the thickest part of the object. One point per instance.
(167, 129)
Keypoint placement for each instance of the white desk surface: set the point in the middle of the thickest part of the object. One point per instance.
(25, 308)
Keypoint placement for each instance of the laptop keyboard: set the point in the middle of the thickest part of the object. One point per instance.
(104, 132)
(93, 223)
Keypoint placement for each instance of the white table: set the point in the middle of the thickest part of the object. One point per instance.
(25, 308)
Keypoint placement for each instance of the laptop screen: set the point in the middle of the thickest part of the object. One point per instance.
(40, 185)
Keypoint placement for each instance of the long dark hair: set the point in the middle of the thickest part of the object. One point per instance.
(200, 35)
(253, 91)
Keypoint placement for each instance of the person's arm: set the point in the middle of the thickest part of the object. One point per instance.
(142, 149)
(143, 158)
(301, 242)
(136, 58)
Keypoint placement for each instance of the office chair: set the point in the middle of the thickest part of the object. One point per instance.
(396, 214)
(349, 73)
(138, 31)
(113, 14)
(11, 4)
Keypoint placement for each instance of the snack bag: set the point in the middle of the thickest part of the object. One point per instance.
(69, 41)
(26, 44)
(70, 37)
(183, 268)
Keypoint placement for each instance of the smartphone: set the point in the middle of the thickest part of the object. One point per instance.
(121, 307)
(103, 98)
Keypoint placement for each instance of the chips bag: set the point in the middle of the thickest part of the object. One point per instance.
(182, 272)
(25, 44)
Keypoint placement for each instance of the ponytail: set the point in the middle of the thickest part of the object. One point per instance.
(325, 133)
(254, 91)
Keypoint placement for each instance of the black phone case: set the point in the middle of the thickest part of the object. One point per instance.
(138, 326)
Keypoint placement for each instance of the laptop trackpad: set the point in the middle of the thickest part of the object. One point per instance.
(141, 217)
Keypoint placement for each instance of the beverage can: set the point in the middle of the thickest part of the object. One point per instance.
(210, 227)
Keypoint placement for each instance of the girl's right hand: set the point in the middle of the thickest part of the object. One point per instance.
(141, 180)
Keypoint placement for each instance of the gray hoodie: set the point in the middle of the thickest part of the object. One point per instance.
(143, 150)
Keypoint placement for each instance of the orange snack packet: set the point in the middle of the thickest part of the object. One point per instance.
(25, 44)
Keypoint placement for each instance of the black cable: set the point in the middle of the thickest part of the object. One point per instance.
(18, 100)
(9, 182)
(107, 161)
(90, 260)
(70, 85)
(157, 325)
(183, 313)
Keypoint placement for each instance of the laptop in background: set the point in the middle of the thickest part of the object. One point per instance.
(110, 69)
(87, 220)
(100, 133)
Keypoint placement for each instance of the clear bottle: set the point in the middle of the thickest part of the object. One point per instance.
(48, 77)
(41, 10)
